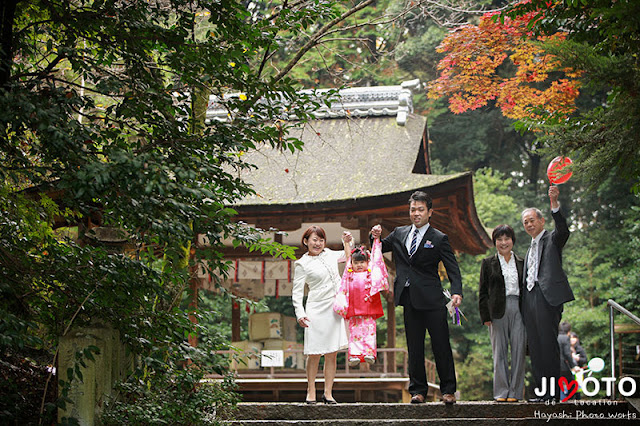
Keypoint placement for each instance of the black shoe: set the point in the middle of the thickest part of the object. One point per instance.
(309, 402)
(328, 401)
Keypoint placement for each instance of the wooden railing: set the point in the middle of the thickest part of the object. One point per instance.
(391, 362)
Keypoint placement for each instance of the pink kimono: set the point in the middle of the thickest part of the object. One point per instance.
(358, 300)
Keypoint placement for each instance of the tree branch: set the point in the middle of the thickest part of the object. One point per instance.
(317, 36)
(266, 55)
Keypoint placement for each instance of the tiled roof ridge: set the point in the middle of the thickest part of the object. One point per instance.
(371, 101)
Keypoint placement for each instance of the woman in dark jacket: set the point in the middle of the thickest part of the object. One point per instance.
(499, 303)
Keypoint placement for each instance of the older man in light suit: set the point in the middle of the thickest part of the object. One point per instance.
(544, 289)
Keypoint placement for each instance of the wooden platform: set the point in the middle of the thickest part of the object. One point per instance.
(345, 389)
(352, 389)
(385, 381)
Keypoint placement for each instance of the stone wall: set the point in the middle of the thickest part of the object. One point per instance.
(98, 377)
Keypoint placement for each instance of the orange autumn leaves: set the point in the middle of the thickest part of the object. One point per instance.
(502, 62)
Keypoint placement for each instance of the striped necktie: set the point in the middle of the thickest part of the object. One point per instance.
(414, 243)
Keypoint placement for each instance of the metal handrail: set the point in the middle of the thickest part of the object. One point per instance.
(613, 305)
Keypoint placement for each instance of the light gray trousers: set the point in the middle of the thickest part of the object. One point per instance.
(508, 331)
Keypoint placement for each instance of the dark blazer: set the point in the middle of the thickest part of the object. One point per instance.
(422, 268)
(566, 360)
(551, 277)
(492, 297)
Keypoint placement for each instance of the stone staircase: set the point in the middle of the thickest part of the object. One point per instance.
(594, 412)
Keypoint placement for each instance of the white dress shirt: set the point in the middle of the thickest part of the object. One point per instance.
(510, 274)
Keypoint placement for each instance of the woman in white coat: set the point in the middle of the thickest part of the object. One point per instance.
(324, 331)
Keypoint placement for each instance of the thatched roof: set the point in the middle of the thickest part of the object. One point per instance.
(341, 159)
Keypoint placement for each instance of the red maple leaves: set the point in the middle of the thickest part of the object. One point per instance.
(503, 62)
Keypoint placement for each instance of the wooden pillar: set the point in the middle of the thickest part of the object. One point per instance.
(364, 236)
(277, 238)
(391, 320)
(235, 321)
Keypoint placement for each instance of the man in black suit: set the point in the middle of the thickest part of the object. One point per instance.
(544, 290)
(567, 363)
(417, 250)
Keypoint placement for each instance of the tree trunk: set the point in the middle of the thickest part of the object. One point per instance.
(7, 16)
(534, 171)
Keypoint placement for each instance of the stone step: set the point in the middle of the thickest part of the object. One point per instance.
(478, 413)
(428, 422)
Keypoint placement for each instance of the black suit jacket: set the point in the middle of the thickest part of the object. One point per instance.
(551, 277)
(422, 268)
(492, 297)
(566, 360)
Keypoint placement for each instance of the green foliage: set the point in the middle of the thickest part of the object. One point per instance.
(591, 324)
(616, 23)
(603, 46)
(601, 256)
(15, 332)
(597, 270)
(417, 55)
(475, 377)
(176, 398)
(604, 137)
(601, 139)
(354, 54)
(216, 311)
(102, 113)
(487, 138)
(493, 203)
(102, 123)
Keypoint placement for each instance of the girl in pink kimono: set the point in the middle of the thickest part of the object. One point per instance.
(358, 300)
